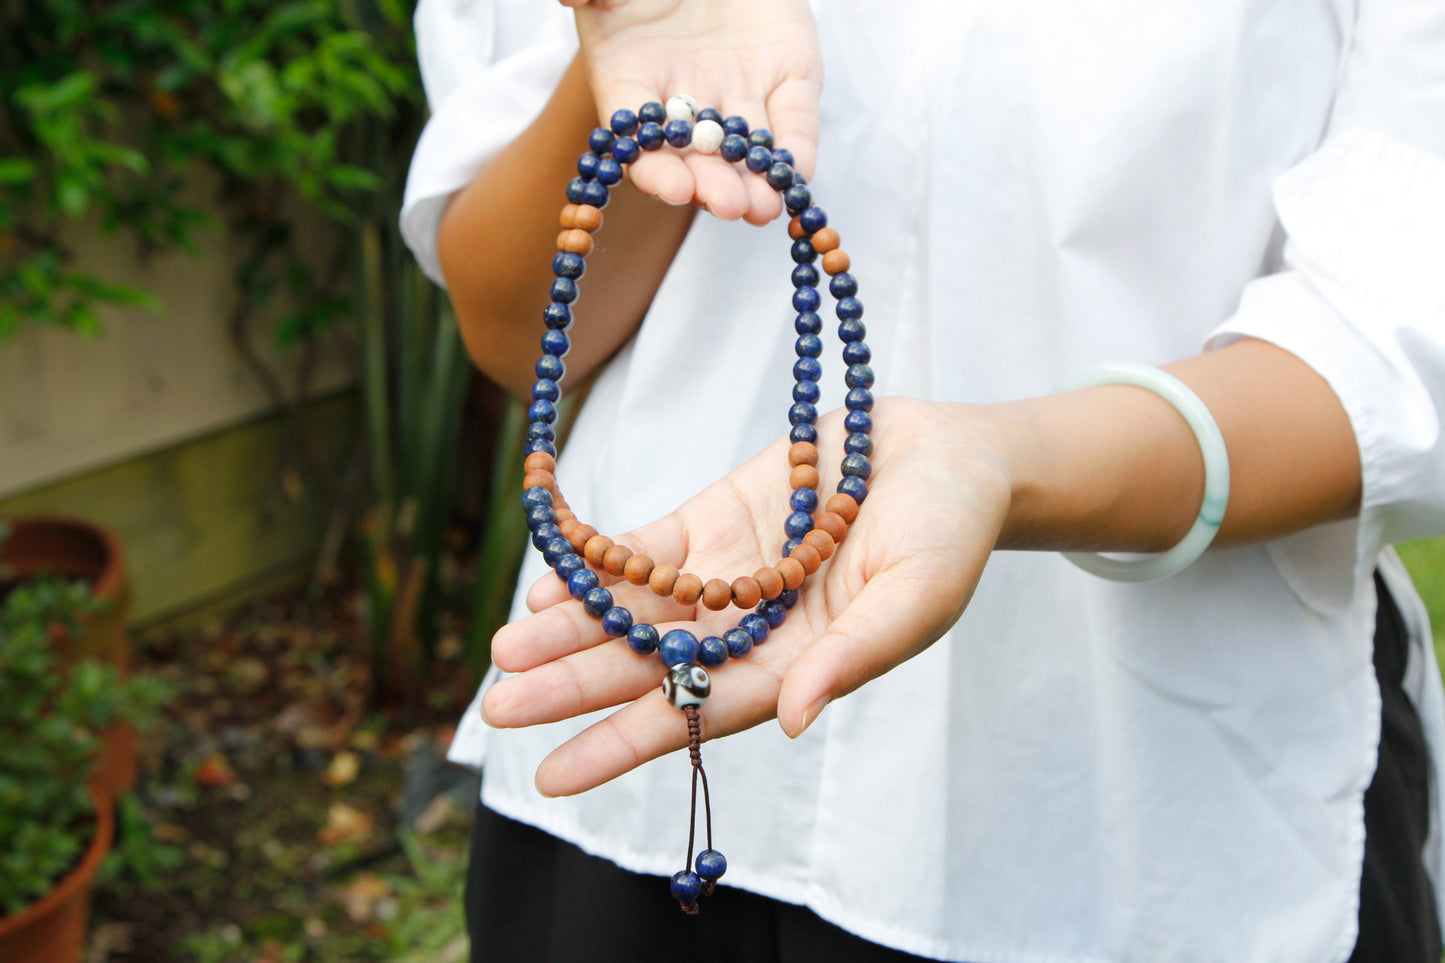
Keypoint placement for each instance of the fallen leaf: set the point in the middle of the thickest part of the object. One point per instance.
(344, 824)
(360, 896)
(343, 769)
(214, 770)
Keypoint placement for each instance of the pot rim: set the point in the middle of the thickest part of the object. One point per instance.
(77, 878)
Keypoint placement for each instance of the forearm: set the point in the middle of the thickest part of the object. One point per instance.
(498, 236)
(1116, 468)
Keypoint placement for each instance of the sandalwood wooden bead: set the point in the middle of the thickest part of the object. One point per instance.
(540, 461)
(587, 218)
(575, 241)
(803, 453)
(716, 595)
(687, 589)
(564, 514)
(663, 578)
(803, 476)
(822, 543)
(638, 569)
(540, 479)
(833, 524)
(810, 558)
(795, 228)
(746, 591)
(580, 535)
(569, 527)
(614, 560)
(792, 572)
(568, 217)
(844, 505)
(825, 240)
(837, 261)
(596, 547)
(770, 582)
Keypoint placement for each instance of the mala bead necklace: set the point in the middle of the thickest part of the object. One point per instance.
(580, 555)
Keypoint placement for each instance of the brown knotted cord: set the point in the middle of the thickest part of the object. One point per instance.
(694, 750)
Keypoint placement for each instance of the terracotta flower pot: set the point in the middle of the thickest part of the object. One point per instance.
(75, 549)
(52, 929)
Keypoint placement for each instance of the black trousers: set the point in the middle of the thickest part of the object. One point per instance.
(532, 898)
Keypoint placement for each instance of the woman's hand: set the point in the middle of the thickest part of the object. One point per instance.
(902, 576)
(755, 58)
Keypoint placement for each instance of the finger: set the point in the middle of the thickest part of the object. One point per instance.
(583, 682)
(793, 110)
(664, 540)
(566, 627)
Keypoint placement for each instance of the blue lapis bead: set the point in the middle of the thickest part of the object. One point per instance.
(540, 432)
(623, 123)
(678, 647)
(564, 290)
(799, 179)
(756, 626)
(587, 165)
(540, 444)
(712, 114)
(541, 515)
(854, 486)
(808, 346)
(762, 137)
(565, 264)
(781, 155)
(626, 150)
(570, 564)
(858, 465)
(802, 413)
(843, 285)
(789, 598)
(807, 369)
(686, 886)
(582, 582)
(851, 329)
(774, 612)
(808, 322)
(555, 342)
(807, 391)
(797, 198)
(543, 534)
(808, 433)
(789, 545)
(849, 309)
(557, 316)
(805, 275)
(597, 601)
(739, 642)
(712, 651)
(779, 177)
(803, 252)
(710, 864)
(652, 113)
(798, 524)
(813, 220)
(596, 194)
(555, 549)
(758, 160)
(803, 500)
(642, 638)
(543, 411)
(577, 189)
(856, 352)
(733, 148)
(858, 376)
(609, 171)
(551, 367)
(616, 621)
(600, 140)
(858, 421)
(737, 126)
(678, 133)
(859, 399)
(806, 299)
(650, 136)
(536, 497)
(858, 442)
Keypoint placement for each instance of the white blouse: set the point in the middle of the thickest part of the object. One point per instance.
(1080, 770)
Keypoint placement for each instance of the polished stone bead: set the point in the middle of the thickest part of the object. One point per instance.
(678, 133)
(854, 486)
(858, 442)
(807, 369)
(779, 176)
(762, 137)
(652, 113)
(803, 500)
(707, 137)
(577, 190)
(712, 651)
(596, 194)
(539, 432)
(802, 413)
(546, 412)
(686, 886)
(808, 433)
(569, 564)
(797, 198)
(781, 155)
(650, 136)
(681, 107)
(789, 598)
(789, 545)
(806, 299)
(587, 165)
(712, 114)
(567, 265)
(536, 497)
(543, 534)
(813, 220)
(642, 638)
(564, 290)
(541, 515)
(550, 367)
(733, 148)
(843, 285)
(600, 140)
(809, 322)
(858, 465)
(555, 549)
(803, 252)
(858, 421)
(851, 329)
(710, 864)
(626, 150)
(678, 647)
(540, 444)
(624, 122)
(798, 524)
(597, 601)
(774, 612)
(557, 316)
(858, 376)
(609, 171)
(808, 346)
(582, 582)
(758, 160)
(849, 309)
(756, 626)
(859, 399)
(805, 275)
(616, 621)
(856, 352)
(556, 342)
(807, 391)
(739, 642)
(736, 125)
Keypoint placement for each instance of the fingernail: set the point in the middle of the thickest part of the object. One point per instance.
(811, 713)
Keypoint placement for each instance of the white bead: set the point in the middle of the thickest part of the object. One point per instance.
(682, 107)
(686, 685)
(708, 136)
